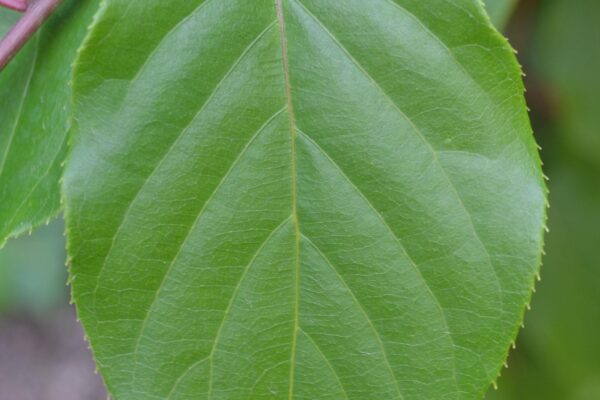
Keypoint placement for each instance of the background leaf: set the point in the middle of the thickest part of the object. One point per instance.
(500, 11)
(34, 99)
(7, 19)
(347, 205)
(566, 55)
(32, 271)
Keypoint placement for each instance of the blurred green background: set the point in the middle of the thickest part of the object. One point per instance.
(32, 273)
(558, 353)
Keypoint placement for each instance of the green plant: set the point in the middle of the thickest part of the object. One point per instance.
(284, 199)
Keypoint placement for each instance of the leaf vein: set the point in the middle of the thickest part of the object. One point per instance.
(290, 107)
(363, 311)
(233, 296)
(21, 106)
(393, 234)
(318, 349)
(166, 154)
(420, 134)
(192, 227)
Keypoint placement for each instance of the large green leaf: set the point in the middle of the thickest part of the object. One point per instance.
(303, 199)
(34, 104)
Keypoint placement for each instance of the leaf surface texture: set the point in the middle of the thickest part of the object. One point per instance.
(301, 199)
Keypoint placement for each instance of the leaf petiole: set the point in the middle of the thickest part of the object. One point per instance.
(36, 12)
(17, 5)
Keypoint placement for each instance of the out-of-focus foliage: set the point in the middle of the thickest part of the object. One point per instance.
(7, 20)
(567, 55)
(499, 11)
(558, 355)
(32, 271)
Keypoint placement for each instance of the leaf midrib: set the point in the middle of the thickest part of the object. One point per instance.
(294, 169)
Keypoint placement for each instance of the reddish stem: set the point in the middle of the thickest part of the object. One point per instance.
(37, 12)
(18, 5)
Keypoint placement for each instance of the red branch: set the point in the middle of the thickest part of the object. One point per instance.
(18, 5)
(37, 12)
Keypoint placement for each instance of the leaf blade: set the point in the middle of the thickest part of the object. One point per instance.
(34, 123)
(379, 172)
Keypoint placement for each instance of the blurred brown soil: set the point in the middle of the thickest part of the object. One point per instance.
(44, 357)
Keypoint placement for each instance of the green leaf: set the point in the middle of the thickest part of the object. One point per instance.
(7, 19)
(500, 11)
(307, 200)
(35, 101)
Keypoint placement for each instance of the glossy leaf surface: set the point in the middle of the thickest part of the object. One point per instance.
(34, 113)
(301, 199)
